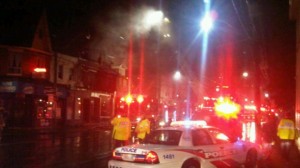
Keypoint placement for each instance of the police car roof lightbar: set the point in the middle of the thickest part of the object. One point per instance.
(196, 123)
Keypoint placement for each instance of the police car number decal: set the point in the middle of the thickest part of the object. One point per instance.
(169, 156)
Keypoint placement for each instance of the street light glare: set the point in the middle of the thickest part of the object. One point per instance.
(245, 74)
(153, 18)
(166, 20)
(206, 23)
(177, 75)
(267, 95)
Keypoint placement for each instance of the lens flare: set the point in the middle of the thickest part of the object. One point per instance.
(226, 108)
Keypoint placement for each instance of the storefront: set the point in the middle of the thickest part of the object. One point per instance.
(88, 107)
(32, 103)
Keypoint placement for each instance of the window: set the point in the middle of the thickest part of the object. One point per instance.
(219, 136)
(201, 137)
(15, 64)
(165, 137)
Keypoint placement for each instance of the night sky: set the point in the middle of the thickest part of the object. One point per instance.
(75, 25)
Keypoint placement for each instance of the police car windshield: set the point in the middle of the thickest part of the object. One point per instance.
(164, 137)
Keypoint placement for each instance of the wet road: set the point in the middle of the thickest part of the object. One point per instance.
(80, 148)
(65, 148)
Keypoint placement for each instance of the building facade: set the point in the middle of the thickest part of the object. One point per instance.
(43, 88)
(25, 86)
(295, 15)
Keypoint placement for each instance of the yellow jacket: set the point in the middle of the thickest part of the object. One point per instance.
(143, 128)
(286, 129)
(121, 129)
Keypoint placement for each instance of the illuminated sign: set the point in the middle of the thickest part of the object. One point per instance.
(40, 70)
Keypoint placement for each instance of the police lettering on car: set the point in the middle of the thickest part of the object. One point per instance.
(131, 150)
(217, 154)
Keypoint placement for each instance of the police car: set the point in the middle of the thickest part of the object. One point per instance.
(186, 146)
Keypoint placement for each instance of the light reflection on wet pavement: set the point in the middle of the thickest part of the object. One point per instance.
(80, 148)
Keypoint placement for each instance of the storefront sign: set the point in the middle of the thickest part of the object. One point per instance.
(28, 90)
(8, 87)
(98, 95)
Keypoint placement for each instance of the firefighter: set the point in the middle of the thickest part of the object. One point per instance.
(286, 133)
(142, 129)
(121, 130)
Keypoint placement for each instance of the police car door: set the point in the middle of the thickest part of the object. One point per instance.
(227, 152)
(205, 148)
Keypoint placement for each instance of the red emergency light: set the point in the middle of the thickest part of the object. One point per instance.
(128, 99)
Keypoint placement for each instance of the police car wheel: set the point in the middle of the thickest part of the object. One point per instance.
(191, 164)
(251, 159)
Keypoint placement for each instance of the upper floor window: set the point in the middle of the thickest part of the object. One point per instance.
(15, 64)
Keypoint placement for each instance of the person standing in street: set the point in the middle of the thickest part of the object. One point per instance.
(269, 129)
(142, 129)
(121, 130)
(286, 133)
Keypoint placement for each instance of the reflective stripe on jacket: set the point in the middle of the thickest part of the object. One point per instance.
(286, 129)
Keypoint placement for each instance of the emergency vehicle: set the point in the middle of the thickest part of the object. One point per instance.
(187, 146)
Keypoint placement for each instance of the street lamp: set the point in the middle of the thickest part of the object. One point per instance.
(245, 74)
(206, 23)
(267, 95)
(177, 75)
(152, 18)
